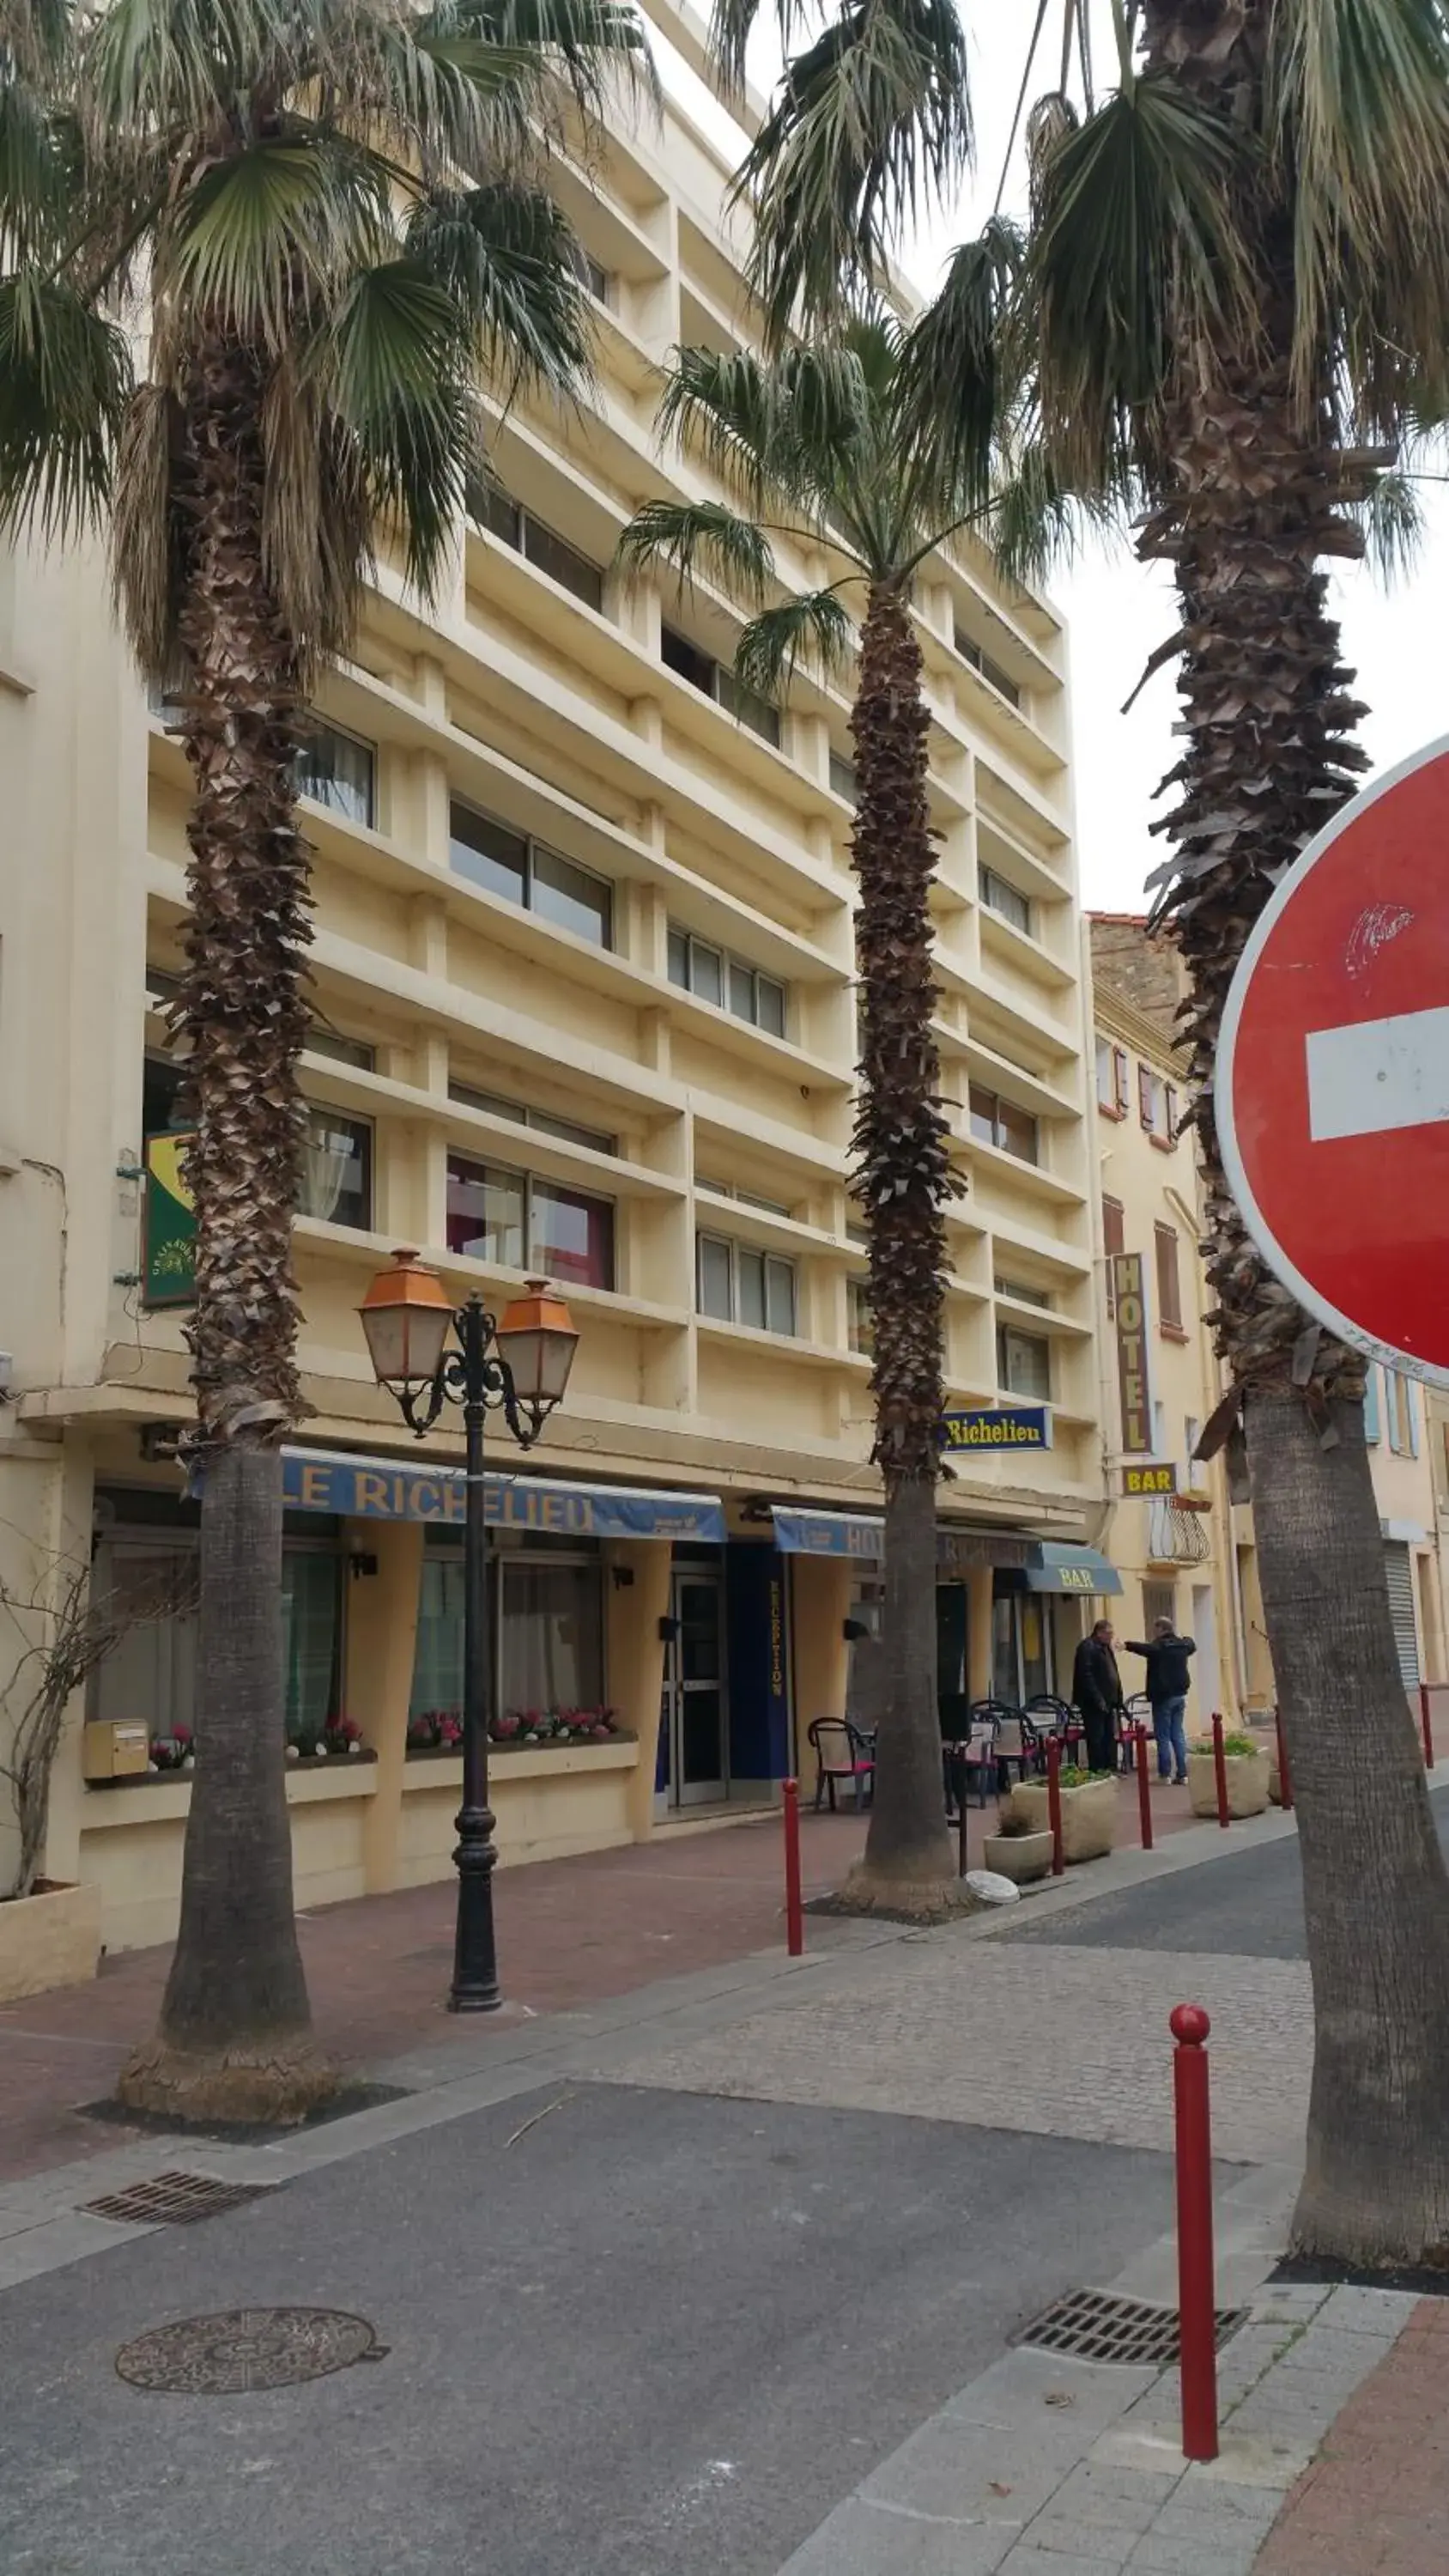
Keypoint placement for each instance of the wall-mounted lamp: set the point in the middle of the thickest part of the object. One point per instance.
(621, 1576)
(668, 1630)
(361, 1562)
(851, 1629)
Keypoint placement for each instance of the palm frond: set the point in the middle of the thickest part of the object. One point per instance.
(953, 379)
(701, 538)
(149, 537)
(1134, 248)
(395, 362)
(814, 625)
(506, 255)
(868, 127)
(1035, 524)
(65, 374)
(1391, 516)
(271, 225)
(1357, 116)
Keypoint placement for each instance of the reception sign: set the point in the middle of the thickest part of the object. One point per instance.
(379, 1489)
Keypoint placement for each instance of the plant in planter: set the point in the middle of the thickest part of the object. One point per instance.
(174, 1752)
(1246, 1765)
(1019, 1850)
(341, 1736)
(1089, 1810)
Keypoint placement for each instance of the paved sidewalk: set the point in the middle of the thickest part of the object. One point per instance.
(1376, 2500)
(570, 1933)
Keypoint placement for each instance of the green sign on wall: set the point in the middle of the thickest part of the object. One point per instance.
(168, 1264)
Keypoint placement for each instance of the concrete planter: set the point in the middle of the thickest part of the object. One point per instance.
(1247, 1783)
(1023, 1858)
(52, 1938)
(1089, 1815)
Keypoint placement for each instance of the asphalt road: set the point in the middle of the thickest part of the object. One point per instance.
(1249, 1904)
(657, 2335)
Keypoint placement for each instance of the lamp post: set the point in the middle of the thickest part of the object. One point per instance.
(518, 1366)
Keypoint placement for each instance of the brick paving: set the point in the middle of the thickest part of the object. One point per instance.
(570, 1933)
(1065, 2041)
(1375, 2502)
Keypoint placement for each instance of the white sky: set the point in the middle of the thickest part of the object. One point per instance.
(1118, 610)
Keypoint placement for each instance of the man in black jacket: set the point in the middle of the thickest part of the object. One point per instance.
(1168, 1657)
(1097, 1690)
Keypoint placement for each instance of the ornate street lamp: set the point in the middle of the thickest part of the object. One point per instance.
(518, 1366)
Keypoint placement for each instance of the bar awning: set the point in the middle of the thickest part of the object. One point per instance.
(1054, 1566)
(861, 1535)
(385, 1489)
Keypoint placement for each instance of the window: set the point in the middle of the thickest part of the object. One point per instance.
(592, 273)
(161, 1082)
(1171, 1111)
(1022, 1290)
(859, 1322)
(970, 651)
(335, 1183)
(1001, 897)
(1159, 1601)
(1371, 1428)
(565, 1129)
(518, 1221)
(539, 544)
(545, 1624)
(1159, 1427)
(842, 778)
(713, 681)
(744, 1198)
(337, 770)
(738, 1285)
(1023, 1363)
(1169, 1284)
(339, 1049)
(1152, 1103)
(1403, 1423)
(1191, 1434)
(999, 1122)
(698, 967)
(488, 854)
(1113, 1094)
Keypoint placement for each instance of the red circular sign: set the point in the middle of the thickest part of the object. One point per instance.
(1332, 1090)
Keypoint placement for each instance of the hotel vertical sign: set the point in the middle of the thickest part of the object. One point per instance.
(1129, 1299)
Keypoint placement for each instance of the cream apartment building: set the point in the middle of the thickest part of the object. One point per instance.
(1200, 1566)
(584, 1004)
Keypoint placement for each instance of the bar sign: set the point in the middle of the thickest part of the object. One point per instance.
(1129, 1297)
(1153, 1479)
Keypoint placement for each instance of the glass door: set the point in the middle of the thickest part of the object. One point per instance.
(694, 1690)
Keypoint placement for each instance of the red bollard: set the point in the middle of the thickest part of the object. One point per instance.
(1220, 1767)
(1144, 1793)
(794, 1911)
(963, 1782)
(1054, 1801)
(1285, 1776)
(1426, 1726)
(1197, 2322)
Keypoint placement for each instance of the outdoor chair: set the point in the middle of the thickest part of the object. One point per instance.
(842, 1754)
(1050, 1716)
(974, 1752)
(1016, 1741)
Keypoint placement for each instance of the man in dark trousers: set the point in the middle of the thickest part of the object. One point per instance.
(1097, 1690)
(1168, 1657)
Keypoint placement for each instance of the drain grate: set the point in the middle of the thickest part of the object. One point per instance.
(247, 2348)
(1093, 2325)
(175, 2199)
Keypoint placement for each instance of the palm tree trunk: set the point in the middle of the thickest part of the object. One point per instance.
(235, 2033)
(1376, 2187)
(903, 1178)
(1254, 507)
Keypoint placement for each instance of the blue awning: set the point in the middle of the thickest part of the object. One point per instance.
(853, 1534)
(387, 1489)
(1054, 1566)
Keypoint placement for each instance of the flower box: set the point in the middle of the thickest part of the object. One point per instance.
(1248, 1775)
(50, 1938)
(1023, 1858)
(1089, 1815)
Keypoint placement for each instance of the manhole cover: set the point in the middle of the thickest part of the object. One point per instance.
(175, 2199)
(1092, 2325)
(247, 2348)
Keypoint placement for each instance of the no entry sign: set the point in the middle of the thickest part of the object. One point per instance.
(1332, 1090)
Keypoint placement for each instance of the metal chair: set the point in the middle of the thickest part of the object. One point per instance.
(841, 1753)
(973, 1752)
(1015, 1738)
(1051, 1715)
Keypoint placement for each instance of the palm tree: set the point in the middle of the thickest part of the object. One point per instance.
(810, 448)
(1237, 306)
(324, 216)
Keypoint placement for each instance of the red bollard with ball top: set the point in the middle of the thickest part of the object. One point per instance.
(794, 1910)
(1054, 1801)
(1144, 1793)
(1196, 2297)
(1285, 1776)
(1426, 1726)
(1220, 1768)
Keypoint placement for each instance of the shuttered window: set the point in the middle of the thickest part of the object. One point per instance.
(1169, 1283)
(1113, 1240)
(1399, 1575)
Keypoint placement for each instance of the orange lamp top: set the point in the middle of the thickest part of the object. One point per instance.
(410, 1282)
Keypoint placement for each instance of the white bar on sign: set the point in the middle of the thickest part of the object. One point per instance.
(1378, 1075)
